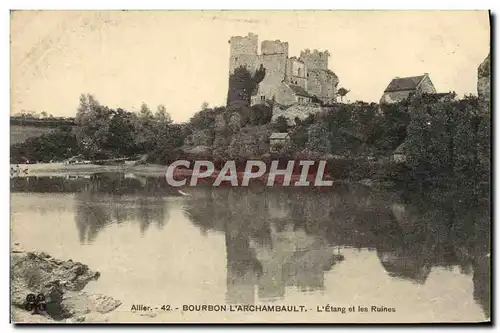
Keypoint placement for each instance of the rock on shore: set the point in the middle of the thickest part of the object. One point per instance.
(61, 283)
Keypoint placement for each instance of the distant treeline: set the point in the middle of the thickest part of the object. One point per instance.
(42, 122)
(438, 137)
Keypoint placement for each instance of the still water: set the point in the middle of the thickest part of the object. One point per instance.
(424, 255)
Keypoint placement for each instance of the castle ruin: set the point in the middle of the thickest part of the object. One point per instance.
(287, 80)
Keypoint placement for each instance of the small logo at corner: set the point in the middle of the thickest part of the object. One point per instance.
(35, 303)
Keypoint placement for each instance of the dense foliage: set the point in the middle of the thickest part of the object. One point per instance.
(102, 133)
(243, 85)
(448, 139)
(54, 146)
(442, 137)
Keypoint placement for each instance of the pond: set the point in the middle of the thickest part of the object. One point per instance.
(405, 257)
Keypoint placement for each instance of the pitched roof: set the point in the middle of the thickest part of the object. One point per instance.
(298, 90)
(278, 136)
(404, 83)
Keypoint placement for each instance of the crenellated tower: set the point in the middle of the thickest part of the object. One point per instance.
(315, 59)
(321, 81)
(243, 52)
(287, 80)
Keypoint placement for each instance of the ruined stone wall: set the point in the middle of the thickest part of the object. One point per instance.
(275, 65)
(296, 73)
(249, 61)
(302, 111)
(243, 52)
(244, 45)
(274, 47)
(322, 84)
(314, 84)
(315, 59)
(310, 71)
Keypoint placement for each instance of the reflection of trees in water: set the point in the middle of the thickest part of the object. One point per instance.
(109, 182)
(47, 184)
(94, 211)
(90, 216)
(112, 198)
(411, 233)
(284, 237)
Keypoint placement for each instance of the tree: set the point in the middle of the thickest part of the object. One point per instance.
(281, 124)
(260, 114)
(300, 136)
(443, 137)
(57, 145)
(204, 105)
(92, 120)
(145, 113)
(204, 119)
(145, 133)
(162, 115)
(342, 92)
(121, 140)
(243, 85)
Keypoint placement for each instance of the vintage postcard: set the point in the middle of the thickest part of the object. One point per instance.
(250, 167)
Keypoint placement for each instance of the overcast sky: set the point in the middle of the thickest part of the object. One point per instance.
(180, 59)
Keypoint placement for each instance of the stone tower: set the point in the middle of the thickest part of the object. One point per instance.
(274, 58)
(315, 59)
(287, 80)
(243, 52)
(321, 81)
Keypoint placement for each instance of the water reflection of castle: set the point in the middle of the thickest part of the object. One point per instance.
(264, 271)
(279, 239)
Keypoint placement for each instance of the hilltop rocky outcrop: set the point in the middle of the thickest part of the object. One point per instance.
(484, 80)
(61, 283)
(301, 111)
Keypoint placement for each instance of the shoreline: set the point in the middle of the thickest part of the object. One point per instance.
(61, 283)
(156, 170)
(61, 169)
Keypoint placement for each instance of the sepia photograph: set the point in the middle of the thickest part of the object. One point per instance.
(250, 167)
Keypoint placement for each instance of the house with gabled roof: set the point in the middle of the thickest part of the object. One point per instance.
(300, 94)
(400, 88)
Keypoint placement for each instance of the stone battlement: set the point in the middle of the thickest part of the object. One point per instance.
(315, 59)
(285, 76)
